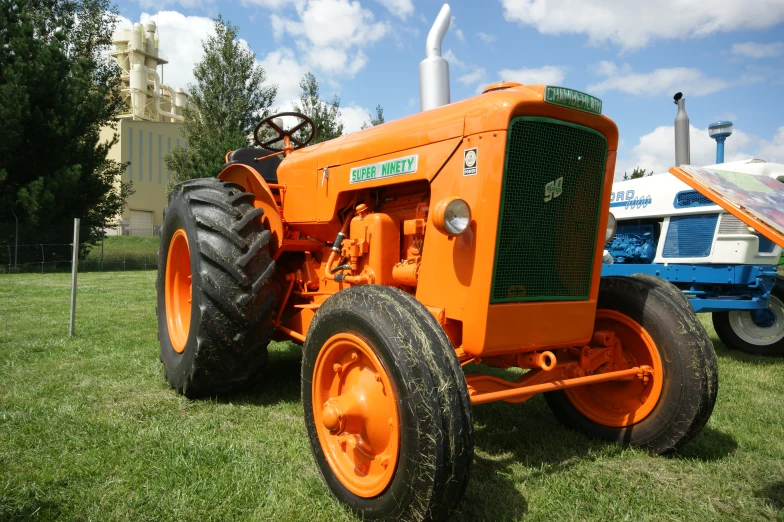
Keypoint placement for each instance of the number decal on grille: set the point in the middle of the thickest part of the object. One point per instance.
(553, 189)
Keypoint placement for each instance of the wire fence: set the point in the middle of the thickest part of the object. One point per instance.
(35, 280)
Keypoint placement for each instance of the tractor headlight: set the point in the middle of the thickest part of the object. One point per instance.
(452, 216)
(612, 226)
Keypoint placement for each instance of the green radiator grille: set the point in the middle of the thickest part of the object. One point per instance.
(549, 211)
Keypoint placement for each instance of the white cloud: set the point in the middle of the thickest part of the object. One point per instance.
(633, 24)
(549, 74)
(472, 78)
(269, 4)
(285, 71)
(400, 8)
(486, 38)
(758, 50)
(656, 150)
(458, 32)
(771, 151)
(666, 80)
(332, 34)
(453, 60)
(353, 117)
(185, 4)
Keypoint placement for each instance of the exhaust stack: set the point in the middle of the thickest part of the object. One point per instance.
(682, 139)
(434, 69)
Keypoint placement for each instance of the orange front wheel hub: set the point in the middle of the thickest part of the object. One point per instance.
(178, 290)
(356, 414)
(625, 402)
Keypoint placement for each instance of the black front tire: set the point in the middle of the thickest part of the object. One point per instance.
(436, 446)
(689, 377)
(231, 311)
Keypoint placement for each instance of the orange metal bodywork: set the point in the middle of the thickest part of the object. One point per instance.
(389, 234)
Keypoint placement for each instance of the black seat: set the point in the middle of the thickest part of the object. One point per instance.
(268, 167)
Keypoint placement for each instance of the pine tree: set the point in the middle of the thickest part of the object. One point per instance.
(326, 115)
(229, 98)
(378, 120)
(637, 173)
(56, 93)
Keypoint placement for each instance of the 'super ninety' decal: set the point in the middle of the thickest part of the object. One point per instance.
(384, 169)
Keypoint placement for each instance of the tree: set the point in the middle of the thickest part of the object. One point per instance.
(326, 115)
(378, 120)
(229, 98)
(57, 91)
(637, 173)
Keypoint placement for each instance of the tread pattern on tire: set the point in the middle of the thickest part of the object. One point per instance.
(233, 323)
(439, 398)
(688, 412)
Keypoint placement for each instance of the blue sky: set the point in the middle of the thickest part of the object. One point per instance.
(726, 56)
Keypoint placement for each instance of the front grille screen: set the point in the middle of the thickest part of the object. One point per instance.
(690, 236)
(549, 215)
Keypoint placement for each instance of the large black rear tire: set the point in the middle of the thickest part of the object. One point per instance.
(231, 306)
(433, 405)
(689, 376)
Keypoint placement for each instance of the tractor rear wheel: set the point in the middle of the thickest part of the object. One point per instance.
(386, 406)
(214, 302)
(758, 332)
(659, 330)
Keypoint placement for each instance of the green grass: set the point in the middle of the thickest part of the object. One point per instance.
(90, 431)
(123, 252)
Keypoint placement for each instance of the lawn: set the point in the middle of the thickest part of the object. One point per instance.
(89, 430)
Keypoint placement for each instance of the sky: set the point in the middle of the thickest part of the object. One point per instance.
(726, 56)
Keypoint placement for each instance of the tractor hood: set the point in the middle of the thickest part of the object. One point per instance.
(756, 200)
(490, 111)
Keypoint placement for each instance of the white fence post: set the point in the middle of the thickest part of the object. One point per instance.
(74, 268)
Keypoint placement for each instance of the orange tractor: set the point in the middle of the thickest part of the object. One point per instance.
(469, 233)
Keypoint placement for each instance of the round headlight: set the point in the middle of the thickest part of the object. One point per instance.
(612, 226)
(452, 216)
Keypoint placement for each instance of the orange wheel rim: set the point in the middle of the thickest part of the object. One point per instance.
(622, 403)
(356, 415)
(178, 290)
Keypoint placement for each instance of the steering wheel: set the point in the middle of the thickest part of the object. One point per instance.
(291, 143)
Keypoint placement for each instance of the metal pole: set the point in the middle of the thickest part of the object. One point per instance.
(16, 238)
(74, 268)
(720, 150)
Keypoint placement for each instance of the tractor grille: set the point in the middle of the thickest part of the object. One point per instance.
(690, 236)
(549, 215)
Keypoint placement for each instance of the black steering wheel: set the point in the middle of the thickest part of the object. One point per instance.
(295, 143)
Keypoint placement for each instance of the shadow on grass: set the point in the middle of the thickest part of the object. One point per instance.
(746, 358)
(709, 445)
(31, 509)
(774, 493)
(279, 380)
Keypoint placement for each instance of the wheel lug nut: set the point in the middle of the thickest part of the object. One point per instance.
(354, 356)
(337, 367)
(384, 461)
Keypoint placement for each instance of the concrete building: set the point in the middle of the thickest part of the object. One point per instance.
(148, 127)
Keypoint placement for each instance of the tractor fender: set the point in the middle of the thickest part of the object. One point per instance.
(252, 181)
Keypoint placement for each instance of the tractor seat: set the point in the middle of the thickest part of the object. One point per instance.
(268, 167)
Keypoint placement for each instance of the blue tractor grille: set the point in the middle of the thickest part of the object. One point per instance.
(690, 236)
(691, 198)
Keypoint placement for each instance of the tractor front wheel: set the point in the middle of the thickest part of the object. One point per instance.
(386, 406)
(758, 332)
(657, 328)
(214, 302)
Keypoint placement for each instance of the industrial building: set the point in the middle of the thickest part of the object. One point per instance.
(148, 128)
